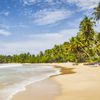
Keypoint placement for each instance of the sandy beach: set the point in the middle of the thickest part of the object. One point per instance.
(82, 85)
(43, 90)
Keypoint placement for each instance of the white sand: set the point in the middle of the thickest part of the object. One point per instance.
(83, 85)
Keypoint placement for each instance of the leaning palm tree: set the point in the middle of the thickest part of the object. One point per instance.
(86, 29)
(97, 12)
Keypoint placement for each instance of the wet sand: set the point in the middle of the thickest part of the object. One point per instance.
(84, 84)
(44, 90)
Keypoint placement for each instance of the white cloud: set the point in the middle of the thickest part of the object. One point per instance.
(32, 46)
(84, 4)
(29, 2)
(67, 33)
(5, 13)
(18, 26)
(36, 43)
(49, 1)
(3, 26)
(4, 32)
(44, 17)
(45, 36)
(32, 2)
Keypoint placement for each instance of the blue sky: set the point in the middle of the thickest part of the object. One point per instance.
(35, 25)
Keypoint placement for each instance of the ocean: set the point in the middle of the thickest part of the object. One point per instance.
(15, 77)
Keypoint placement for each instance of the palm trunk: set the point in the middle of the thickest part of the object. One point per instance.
(85, 51)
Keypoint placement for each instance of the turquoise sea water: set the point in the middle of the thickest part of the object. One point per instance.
(15, 78)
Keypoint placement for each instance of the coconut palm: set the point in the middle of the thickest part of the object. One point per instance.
(86, 28)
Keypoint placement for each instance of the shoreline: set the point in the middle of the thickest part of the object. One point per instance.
(82, 84)
(46, 89)
(21, 95)
(28, 83)
(9, 65)
(45, 80)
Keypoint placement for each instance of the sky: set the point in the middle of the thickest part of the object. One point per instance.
(35, 25)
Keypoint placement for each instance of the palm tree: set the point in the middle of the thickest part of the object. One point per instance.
(78, 47)
(86, 28)
(98, 43)
(97, 12)
(82, 44)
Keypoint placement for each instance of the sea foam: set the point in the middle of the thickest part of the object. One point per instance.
(9, 65)
(17, 78)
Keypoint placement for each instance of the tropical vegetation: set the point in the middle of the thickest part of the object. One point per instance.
(84, 47)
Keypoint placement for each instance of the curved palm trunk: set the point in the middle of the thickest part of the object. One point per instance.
(85, 50)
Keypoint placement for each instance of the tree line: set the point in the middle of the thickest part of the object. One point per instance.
(84, 47)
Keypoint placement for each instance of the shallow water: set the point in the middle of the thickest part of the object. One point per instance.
(15, 79)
